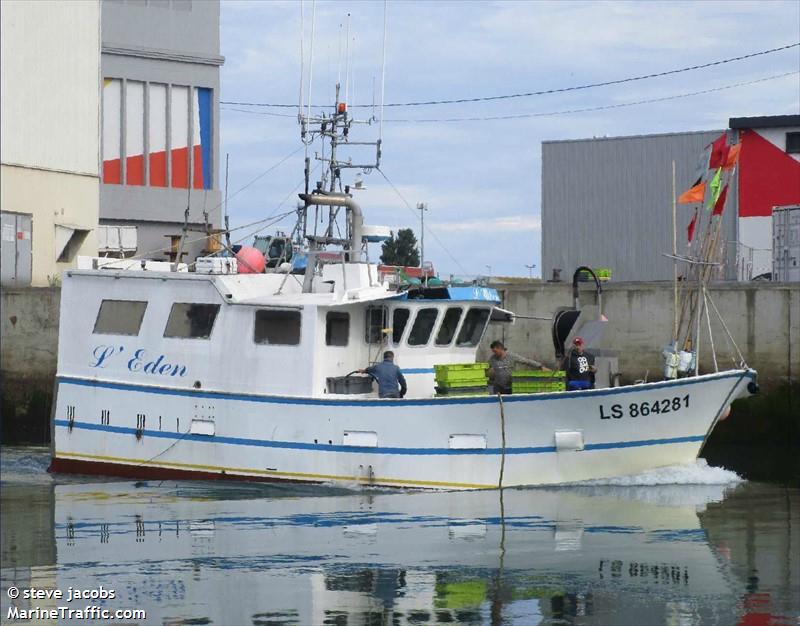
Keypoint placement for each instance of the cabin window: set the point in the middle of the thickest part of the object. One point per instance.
(423, 327)
(399, 323)
(277, 327)
(449, 324)
(191, 320)
(472, 329)
(376, 322)
(337, 328)
(119, 317)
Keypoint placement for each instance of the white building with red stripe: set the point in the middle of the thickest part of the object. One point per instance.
(768, 176)
(160, 129)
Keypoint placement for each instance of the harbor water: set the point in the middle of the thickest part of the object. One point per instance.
(683, 546)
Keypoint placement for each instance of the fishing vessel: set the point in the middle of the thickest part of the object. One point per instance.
(217, 373)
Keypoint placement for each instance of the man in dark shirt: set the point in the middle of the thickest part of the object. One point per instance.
(388, 377)
(501, 366)
(580, 367)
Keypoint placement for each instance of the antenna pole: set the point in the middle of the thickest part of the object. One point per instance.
(422, 207)
(347, 63)
(302, 63)
(227, 223)
(383, 74)
(311, 54)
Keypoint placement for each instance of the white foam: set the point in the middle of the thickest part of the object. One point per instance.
(697, 473)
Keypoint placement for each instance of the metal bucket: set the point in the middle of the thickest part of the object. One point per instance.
(349, 384)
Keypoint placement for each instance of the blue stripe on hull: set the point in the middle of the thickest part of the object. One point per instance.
(243, 397)
(291, 445)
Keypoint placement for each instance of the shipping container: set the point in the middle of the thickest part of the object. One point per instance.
(786, 243)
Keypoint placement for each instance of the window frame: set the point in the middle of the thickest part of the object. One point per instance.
(414, 323)
(210, 330)
(795, 137)
(368, 321)
(343, 314)
(141, 318)
(460, 310)
(296, 312)
(395, 310)
(488, 312)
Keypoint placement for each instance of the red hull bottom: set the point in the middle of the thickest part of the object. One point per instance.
(98, 468)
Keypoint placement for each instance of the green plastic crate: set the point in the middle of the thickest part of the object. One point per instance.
(442, 392)
(537, 374)
(455, 372)
(538, 387)
(467, 382)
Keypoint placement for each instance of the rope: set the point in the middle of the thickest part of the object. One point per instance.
(433, 234)
(742, 362)
(710, 335)
(503, 442)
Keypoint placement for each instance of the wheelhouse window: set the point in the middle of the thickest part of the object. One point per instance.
(399, 323)
(423, 327)
(449, 324)
(189, 320)
(277, 327)
(119, 317)
(337, 328)
(376, 322)
(472, 329)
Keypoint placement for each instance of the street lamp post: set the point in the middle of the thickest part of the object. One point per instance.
(422, 207)
(530, 270)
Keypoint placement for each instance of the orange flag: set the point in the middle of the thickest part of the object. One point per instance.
(733, 156)
(695, 194)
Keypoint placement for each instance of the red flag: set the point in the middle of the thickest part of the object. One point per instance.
(733, 156)
(719, 152)
(719, 205)
(690, 228)
(695, 194)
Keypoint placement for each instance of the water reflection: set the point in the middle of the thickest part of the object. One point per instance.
(194, 553)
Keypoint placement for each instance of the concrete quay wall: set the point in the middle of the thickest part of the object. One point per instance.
(28, 358)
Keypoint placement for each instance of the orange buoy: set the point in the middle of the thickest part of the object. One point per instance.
(250, 261)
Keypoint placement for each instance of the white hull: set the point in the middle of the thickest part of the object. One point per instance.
(452, 443)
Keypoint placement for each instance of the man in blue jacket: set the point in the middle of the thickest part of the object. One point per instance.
(388, 376)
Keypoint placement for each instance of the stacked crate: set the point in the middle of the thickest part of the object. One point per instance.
(537, 381)
(461, 379)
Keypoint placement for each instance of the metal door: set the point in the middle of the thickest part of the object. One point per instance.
(16, 249)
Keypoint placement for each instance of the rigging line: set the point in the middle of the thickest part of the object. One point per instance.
(606, 107)
(141, 255)
(551, 113)
(607, 83)
(430, 232)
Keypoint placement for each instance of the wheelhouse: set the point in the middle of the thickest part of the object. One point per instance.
(209, 332)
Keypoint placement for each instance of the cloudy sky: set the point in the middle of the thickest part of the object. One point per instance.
(481, 179)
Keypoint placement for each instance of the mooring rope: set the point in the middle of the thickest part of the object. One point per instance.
(503, 441)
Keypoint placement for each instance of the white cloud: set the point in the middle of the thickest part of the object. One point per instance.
(507, 224)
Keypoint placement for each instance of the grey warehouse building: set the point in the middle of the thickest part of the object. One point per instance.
(160, 131)
(607, 202)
